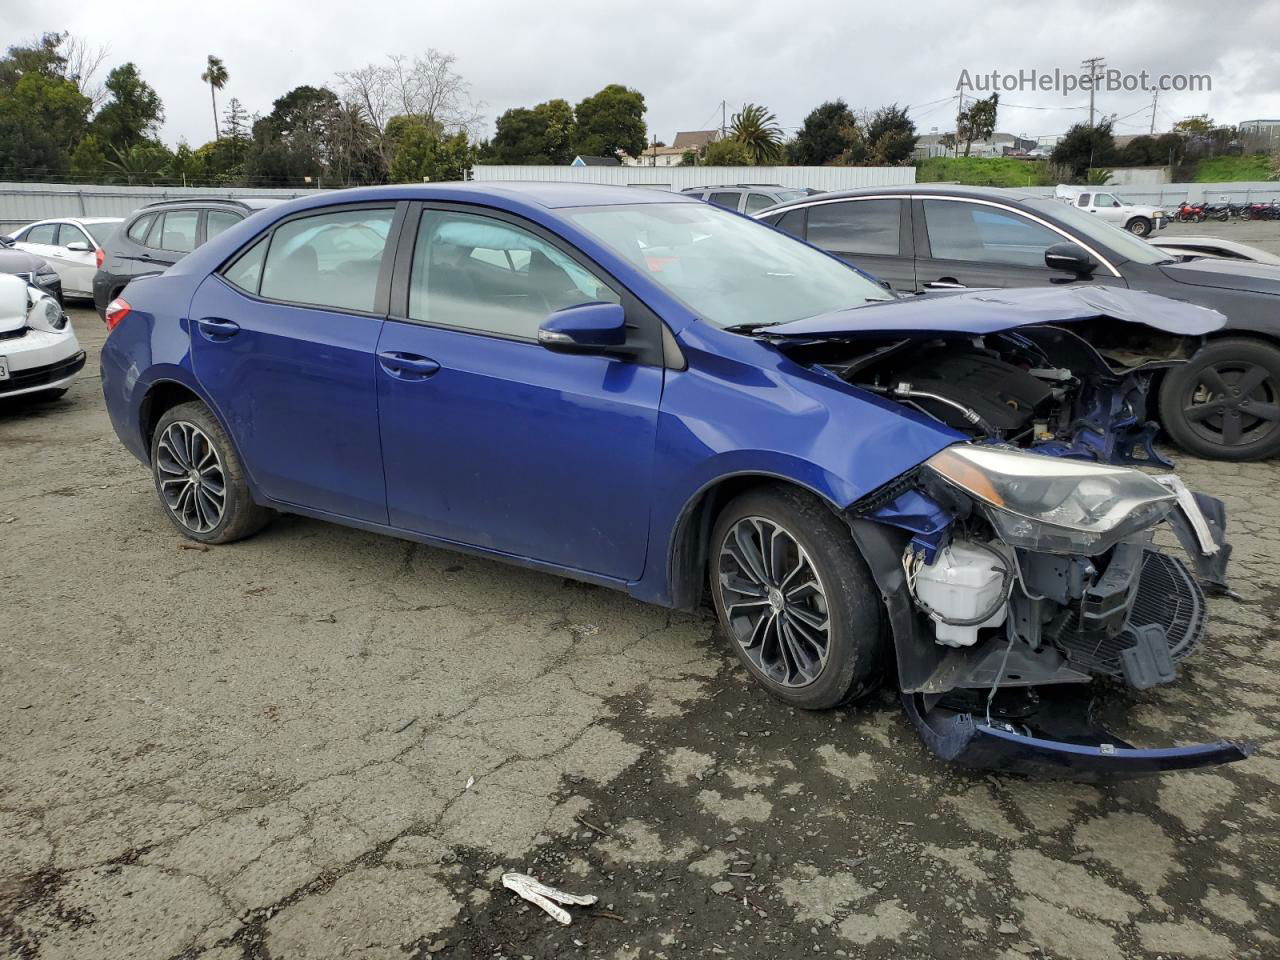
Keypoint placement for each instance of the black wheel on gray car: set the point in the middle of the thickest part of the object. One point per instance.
(199, 478)
(796, 599)
(1224, 403)
(1139, 226)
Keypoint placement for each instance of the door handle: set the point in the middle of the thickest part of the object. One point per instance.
(217, 329)
(945, 283)
(407, 366)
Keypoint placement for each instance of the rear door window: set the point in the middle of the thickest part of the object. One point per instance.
(328, 260)
(178, 231)
(218, 221)
(857, 226)
(725, 198)
(44, 233)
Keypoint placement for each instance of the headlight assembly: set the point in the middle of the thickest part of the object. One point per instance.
(1054, 505)
(45, 314)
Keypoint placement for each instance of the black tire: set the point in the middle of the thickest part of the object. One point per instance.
(856, 624)
(1224, 403)
(1139, 226)
(240, 517)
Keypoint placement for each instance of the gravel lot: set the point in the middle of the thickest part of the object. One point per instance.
(325, 743)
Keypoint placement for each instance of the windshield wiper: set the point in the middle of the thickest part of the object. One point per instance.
(750, 327)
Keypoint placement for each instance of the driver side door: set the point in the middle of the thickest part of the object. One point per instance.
(490, 439)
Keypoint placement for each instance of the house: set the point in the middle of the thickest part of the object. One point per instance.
(657, 157)
(1000, 145)
(693, 139)
(581, 161)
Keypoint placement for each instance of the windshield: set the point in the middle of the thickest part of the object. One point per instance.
(1114, 238)
(101, 232)
(728, 270)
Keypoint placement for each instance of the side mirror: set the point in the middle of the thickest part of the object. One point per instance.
(586, 328)
(1071, 258)
(78, 246)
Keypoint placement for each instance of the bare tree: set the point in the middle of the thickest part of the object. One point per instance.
(425, 86)
(82, 64)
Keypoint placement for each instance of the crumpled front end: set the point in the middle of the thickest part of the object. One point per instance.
(1017, 584)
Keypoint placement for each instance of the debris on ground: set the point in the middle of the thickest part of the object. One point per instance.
(541, 895)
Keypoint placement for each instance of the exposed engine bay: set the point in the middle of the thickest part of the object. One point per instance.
(1040, 388)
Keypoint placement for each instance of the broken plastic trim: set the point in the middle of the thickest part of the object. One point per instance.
(968, 741)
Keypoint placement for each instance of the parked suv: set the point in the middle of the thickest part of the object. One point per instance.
(155, 237)
(748, 198)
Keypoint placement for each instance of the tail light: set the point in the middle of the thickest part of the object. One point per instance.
(98, 256)
(116, 311)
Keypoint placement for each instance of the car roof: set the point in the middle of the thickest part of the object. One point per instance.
(1005, 195)
(244, 203)
(548, 195)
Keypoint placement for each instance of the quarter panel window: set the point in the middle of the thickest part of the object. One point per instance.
(328, 260)
(138, 230)
(1084, 200)
(246, 271)
(792, 222)
(859, 226)
(490, 276)
(758, 201)
(982, 234)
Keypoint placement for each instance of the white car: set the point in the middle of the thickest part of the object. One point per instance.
(72, 245)
(39, 352)
(1215, 247)
(1138, 218)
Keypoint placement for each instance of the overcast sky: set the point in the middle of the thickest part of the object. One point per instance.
(685, 57)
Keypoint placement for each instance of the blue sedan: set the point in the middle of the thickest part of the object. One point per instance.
(646, 392)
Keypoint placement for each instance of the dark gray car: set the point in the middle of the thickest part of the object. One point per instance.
(155, 237)
(31, 268)
(1223, 404)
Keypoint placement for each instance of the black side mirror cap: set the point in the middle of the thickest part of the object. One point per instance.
(1070, 257)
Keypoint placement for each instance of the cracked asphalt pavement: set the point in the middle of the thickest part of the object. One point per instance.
(325, 743)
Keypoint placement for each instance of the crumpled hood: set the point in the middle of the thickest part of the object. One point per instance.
(993, 310)
(19, 261)
(1228, 274)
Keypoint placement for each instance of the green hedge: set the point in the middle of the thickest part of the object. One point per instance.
(985, 171)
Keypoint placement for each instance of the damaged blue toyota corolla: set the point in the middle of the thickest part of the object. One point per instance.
(647, 392)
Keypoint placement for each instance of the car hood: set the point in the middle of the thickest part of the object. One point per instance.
(18, 261)
(1229, 274)
(990, 311)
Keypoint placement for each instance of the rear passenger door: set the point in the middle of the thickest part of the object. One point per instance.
(873, 234)
(283, 341)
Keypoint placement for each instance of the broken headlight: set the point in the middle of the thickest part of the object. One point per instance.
(1053, 505)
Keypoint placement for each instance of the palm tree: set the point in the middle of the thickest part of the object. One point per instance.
(757, 129)
(215, 75)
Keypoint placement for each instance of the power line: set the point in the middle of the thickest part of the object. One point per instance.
(1094, 64)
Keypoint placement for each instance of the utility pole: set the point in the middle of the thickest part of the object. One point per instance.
(1094, 64)
(724, 129)
(1155, 98)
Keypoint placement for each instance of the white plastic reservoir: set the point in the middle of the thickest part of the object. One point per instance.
(960, 584)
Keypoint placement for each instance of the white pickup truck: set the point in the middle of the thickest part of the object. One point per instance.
(1138, 218)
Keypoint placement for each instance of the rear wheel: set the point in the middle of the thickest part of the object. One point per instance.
(199, 477)
(1224, 403)
(796, 599)
(1139, 226)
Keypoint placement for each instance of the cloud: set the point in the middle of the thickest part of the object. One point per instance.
(687, 57)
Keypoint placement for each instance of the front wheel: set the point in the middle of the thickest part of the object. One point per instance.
(1139, 226)
(199, 477)
(1224, 403)
(796, 598)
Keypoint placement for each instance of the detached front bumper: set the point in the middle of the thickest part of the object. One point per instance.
(1061, 741)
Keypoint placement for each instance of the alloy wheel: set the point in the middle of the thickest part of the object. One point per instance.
(191, 477)
(773, 601)
(1232, 403)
